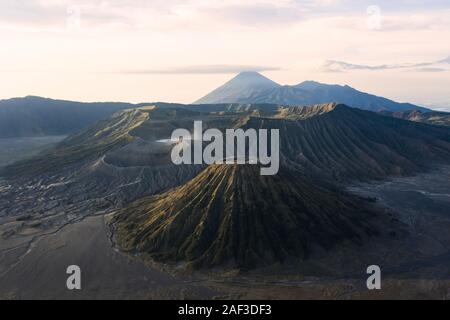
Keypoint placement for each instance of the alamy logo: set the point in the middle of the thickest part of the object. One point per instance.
(374, 280)
(241, 147)
(74, 280)
(74, 17)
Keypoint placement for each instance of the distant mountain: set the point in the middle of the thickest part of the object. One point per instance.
(246, 86)
(35, 116)
(434, 117)
(252, 87)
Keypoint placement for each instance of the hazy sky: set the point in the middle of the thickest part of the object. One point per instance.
(177, 51)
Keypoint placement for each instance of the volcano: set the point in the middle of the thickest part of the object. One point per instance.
(254, 88)
(246, 85)
(230, 215)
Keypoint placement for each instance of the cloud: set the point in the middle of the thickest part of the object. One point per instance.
(257, 15)
(205, 69)
(433, 66)
(41, 13)
(160, 14)
(438, 106)
(430, 69)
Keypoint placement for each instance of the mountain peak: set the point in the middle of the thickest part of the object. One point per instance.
(253, 88)
(251, 74)
(310, 83)
(253, 78)
(313, 85)
(246, 83)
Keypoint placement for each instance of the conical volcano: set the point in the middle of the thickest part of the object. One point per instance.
(246, 84)
(229, 215)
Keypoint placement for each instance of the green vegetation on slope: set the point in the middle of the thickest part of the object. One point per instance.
(230, 215)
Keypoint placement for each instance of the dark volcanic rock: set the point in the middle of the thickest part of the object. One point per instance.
(230, 215)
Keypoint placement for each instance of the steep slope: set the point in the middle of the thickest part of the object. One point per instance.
(99, 169)
(347, 143)
(143, 126)
(229, 215)
(91, 143)
(246, 85)
(35, 116)
(125, 157)
(332, 139)
(306, 93)
(226, 215)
